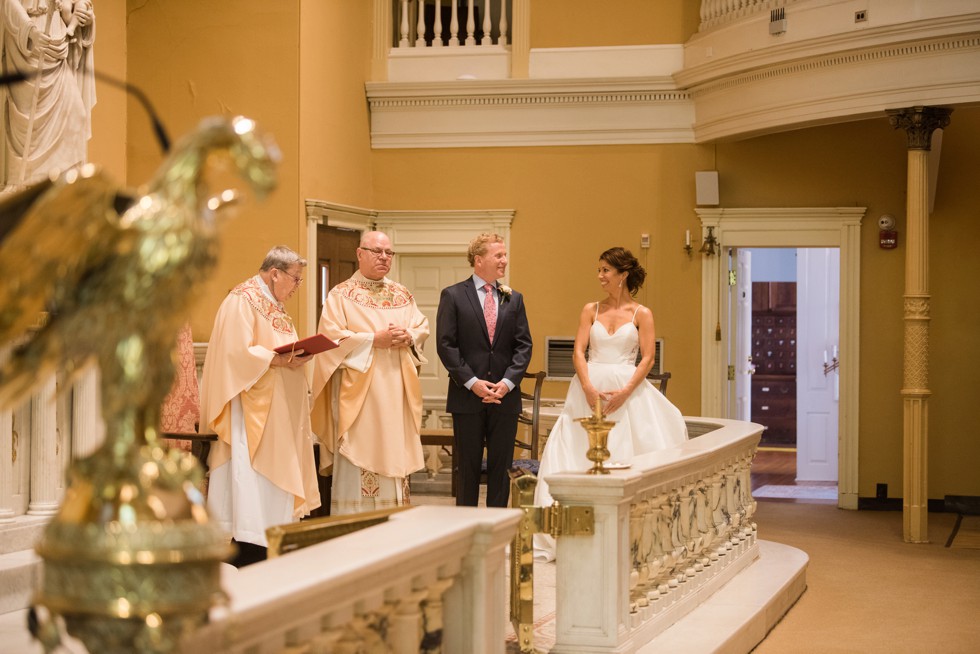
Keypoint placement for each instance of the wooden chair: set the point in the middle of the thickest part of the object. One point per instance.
(660, 381)
(200, 444)
(533, 422)
(442, 438)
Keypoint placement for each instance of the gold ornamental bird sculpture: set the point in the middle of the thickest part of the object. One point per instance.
(130, 561)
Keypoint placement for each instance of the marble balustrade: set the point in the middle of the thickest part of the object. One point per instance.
(460, 28)
(719, 12)
(669, 531)
(431, 579)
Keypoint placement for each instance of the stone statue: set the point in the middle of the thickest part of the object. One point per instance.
(47, 119)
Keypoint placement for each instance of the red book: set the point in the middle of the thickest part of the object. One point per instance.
(309, 345)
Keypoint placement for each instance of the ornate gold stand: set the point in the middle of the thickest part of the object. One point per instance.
(598, 429)
(131, 560)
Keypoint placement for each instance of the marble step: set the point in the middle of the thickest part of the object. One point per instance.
(737, 617)
(19, 564)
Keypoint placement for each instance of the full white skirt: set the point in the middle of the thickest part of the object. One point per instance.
(645, 423)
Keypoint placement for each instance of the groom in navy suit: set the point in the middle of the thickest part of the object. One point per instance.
(483, 340)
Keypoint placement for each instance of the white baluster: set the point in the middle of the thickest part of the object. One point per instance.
(45, 471)
(437, 26)
(405, 624)
(403, 26)
(470, 24)
(454, 25)
(504, 25)
(433, 616)
(487, 25)
(420, 27)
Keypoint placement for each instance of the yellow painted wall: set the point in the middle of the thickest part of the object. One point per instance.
(199, 58)
(954, 348)
(572, 203)
(107, 148)
(587, 23)
(335, 154)
(864, 164)
(196, 59)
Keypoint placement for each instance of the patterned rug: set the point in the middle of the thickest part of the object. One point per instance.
(797, 492)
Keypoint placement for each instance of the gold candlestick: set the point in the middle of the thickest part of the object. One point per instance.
(598, 429)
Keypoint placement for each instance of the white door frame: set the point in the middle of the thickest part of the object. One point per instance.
(790, 228)
(740, 304)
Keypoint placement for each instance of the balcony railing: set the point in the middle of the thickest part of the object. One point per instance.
(450, 23)
(718, 12)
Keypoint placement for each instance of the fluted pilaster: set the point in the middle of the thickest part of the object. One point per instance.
(87, 430)
(45, 471)
(6, 465)
(919, 123)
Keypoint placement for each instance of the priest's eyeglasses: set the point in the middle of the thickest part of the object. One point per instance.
(298, 280)
(379, 253)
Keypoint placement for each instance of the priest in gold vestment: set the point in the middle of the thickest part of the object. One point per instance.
(257, 402)
(367, 406)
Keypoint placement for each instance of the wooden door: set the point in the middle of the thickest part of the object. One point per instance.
(336, 254)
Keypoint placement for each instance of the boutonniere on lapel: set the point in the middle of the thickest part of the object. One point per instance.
(505, 292)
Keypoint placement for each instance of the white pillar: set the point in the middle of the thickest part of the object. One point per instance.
(45, 471)
(919, 123)
(6, 465)
(87, 428)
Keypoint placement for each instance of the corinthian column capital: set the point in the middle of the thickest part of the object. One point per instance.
(919, 123)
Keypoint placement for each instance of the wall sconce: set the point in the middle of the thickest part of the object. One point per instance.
(709, 244)
(687, 242)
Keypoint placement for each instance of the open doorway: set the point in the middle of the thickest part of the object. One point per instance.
(785, 307)
(836, 228)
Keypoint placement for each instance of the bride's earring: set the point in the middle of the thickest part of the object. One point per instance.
(621, 283)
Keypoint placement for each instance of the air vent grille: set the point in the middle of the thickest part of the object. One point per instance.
(558, 357)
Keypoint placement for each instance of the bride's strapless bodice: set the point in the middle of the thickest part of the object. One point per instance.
(621, 346)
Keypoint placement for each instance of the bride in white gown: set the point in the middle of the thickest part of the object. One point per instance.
(615, 330)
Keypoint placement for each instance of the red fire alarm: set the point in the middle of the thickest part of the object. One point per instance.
(887, 236)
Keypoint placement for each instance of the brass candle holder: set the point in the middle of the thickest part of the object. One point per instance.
(598, 429)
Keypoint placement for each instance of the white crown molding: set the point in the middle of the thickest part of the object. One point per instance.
(842, 86)
(529, 112)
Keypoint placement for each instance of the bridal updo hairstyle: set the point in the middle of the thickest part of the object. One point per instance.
(623, 261)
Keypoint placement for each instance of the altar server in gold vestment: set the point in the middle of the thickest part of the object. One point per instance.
(367, 406)
(257, 402)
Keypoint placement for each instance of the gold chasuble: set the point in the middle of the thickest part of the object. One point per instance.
(367, 403)
(274, 401)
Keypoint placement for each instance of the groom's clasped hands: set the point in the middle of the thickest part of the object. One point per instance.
(490, 393)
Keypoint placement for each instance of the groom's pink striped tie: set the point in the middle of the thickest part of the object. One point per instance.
(490, 310)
